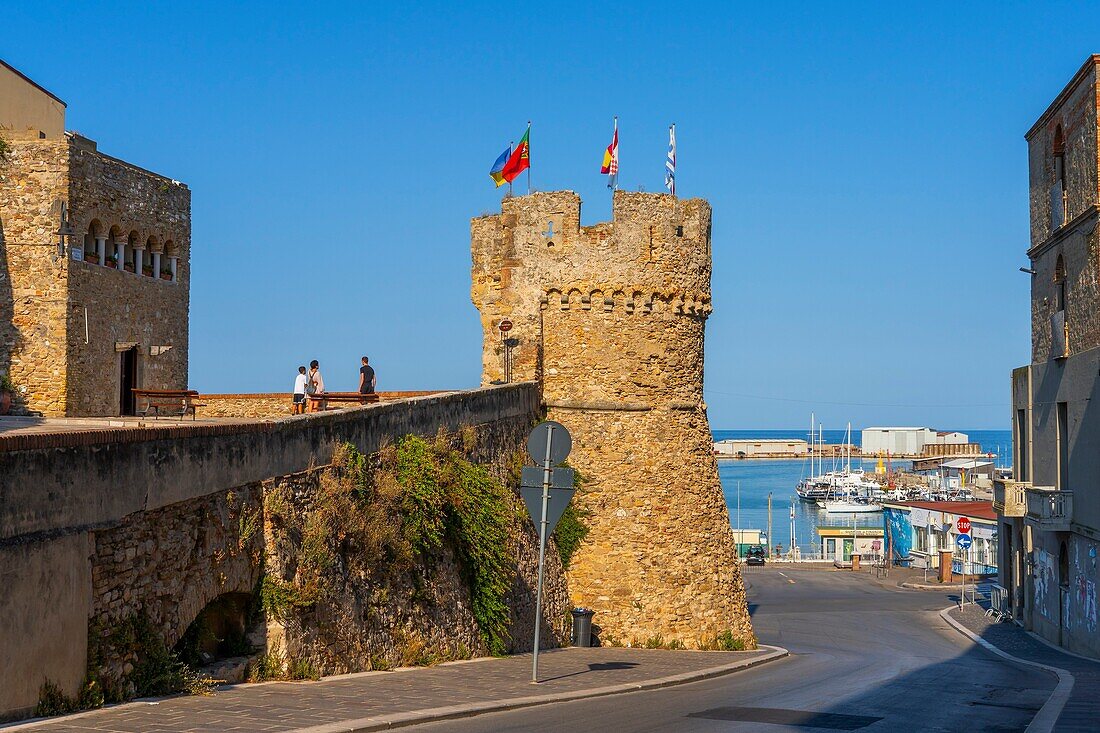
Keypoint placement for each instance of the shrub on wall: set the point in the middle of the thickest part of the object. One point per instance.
(399, 510)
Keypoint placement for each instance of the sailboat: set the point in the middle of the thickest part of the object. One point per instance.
(851, 493)
(814, 486)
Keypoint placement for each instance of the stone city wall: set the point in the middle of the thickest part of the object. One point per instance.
(610, 319)
(273, 404)
(98, 525)
(33, 276)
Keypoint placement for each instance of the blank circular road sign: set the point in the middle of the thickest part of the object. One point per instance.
(560, 446)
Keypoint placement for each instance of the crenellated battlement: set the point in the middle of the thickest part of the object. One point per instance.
(654, 241)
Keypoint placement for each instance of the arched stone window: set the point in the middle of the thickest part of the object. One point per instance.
(1059, 324)
(170, 262)
(132, 248)
(1058, 198)
(111, 248)
(89, 251)
(151, 245)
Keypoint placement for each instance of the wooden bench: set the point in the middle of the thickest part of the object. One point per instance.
(173, 402)
(320, 400)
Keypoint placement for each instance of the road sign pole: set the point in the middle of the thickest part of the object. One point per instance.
(547, 466)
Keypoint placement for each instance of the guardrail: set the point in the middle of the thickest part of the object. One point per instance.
(999, 606)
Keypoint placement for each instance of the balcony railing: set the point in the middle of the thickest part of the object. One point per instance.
(1009, 498)
(1048, 508)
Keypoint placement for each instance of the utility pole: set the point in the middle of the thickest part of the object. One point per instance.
(740, 532)
(769, 523)
(792, 530)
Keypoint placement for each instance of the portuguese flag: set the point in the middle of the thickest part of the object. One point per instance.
(520, 159)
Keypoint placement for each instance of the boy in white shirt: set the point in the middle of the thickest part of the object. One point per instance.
(300, 381)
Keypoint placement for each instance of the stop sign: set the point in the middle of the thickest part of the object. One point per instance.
(963, 525)
(505, 326)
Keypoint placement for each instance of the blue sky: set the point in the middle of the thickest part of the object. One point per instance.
(865, 162)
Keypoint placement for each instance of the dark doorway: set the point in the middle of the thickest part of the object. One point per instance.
(128, 380)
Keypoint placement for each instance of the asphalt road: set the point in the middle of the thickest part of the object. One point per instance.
(864, 657)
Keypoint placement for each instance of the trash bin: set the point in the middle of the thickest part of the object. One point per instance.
(582, 626)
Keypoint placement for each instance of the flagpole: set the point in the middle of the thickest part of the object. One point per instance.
(510, 144)
(528, 157)
(615, 178)
(675, 201)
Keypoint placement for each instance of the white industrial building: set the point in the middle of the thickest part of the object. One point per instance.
(906, 441)
(746, 448)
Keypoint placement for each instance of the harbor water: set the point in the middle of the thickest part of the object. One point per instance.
(759, 477)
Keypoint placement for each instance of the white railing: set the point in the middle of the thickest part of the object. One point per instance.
(1050, 508)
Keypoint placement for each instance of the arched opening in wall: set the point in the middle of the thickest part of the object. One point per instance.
(88, 246)
(169, 263)
(115, 240)
(131, 248)
(219, 631)
(1058, 200)
(1059, 323)
(151, 245)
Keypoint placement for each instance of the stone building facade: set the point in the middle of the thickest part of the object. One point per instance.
(1050, 512)
(609, 320)
(94, 274)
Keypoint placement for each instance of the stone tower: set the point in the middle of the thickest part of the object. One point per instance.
(609, 320)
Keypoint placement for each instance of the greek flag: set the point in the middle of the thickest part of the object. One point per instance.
(670, 161)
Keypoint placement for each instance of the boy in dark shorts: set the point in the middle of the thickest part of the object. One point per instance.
(300, 382)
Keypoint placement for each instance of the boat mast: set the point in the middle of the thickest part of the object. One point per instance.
(812, 474)
(848, 447)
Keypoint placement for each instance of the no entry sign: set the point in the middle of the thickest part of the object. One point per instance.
(963, 525)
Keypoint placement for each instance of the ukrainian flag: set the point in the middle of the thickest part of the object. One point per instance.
(497, 171)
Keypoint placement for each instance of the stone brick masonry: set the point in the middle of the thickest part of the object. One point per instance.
(63, 321)
(609, 320)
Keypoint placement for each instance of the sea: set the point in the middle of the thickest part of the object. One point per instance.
(746, 485)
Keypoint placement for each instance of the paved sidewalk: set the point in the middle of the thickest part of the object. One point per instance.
(382, 700)
(1082, 710)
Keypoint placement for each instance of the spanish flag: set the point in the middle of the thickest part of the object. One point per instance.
(520, 160)
(611, 158)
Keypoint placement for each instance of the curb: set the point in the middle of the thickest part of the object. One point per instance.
(1047, 717)
(944, 586)
(451, 712)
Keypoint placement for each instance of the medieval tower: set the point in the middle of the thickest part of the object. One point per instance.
(609, 320)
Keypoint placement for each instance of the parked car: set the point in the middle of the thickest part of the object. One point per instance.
(755, 555)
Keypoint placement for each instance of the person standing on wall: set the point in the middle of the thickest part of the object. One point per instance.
(366, 377)
(301, 382)
(317, 382)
